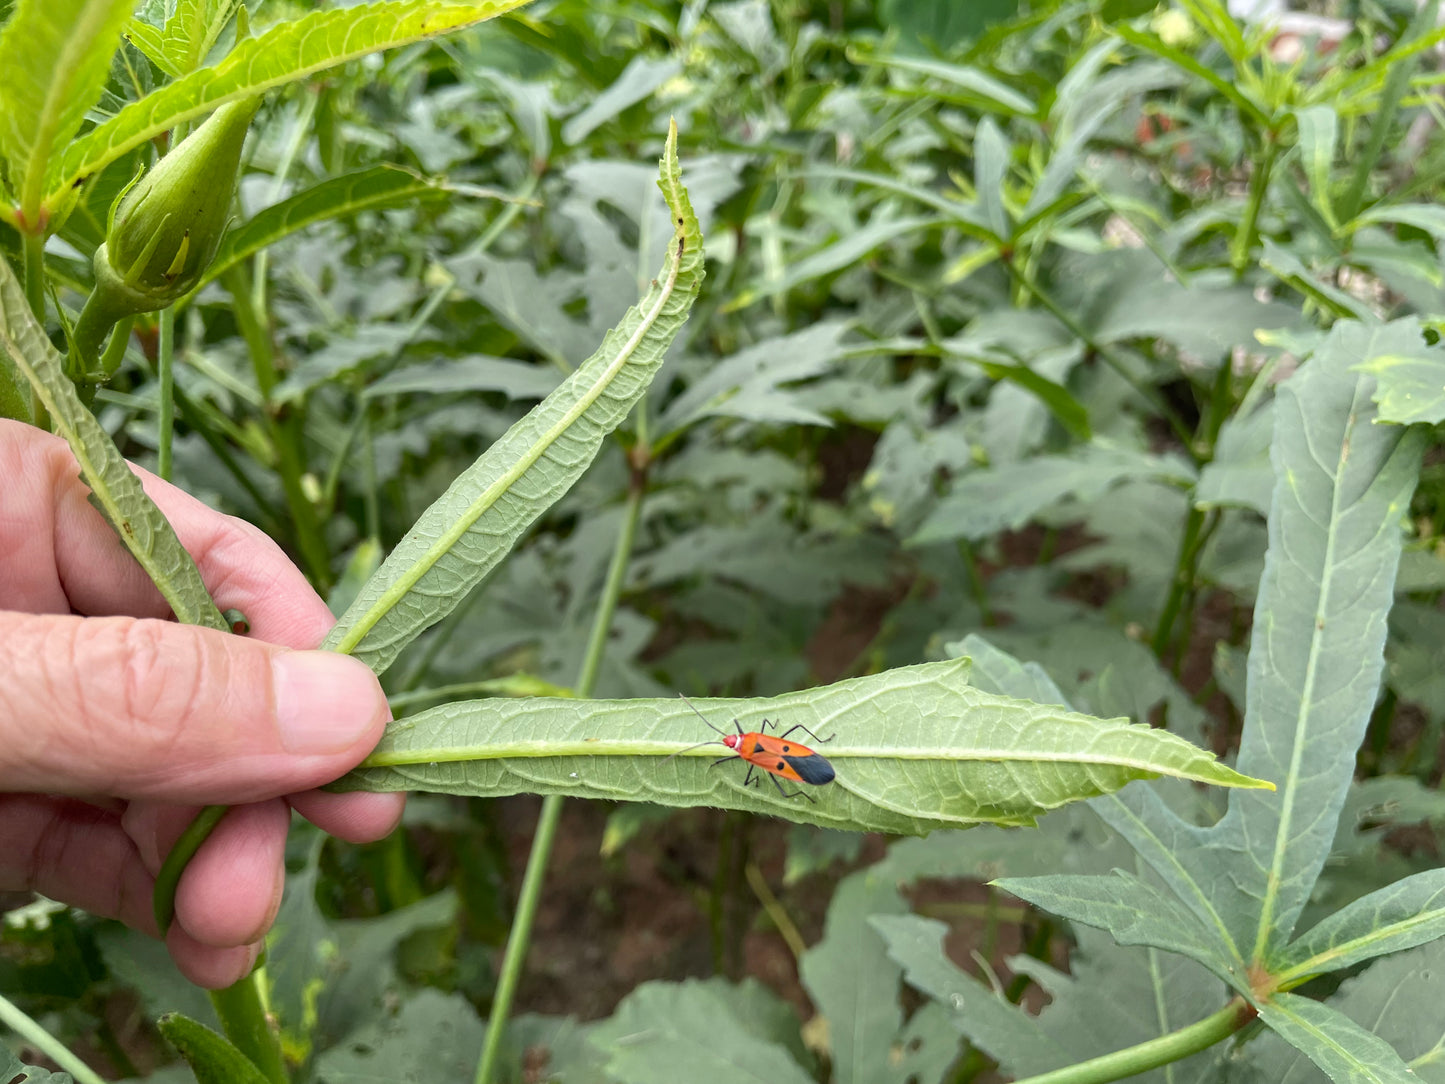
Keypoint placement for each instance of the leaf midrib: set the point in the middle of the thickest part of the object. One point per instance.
(489, 496)
(543, 747)
(1282, 840)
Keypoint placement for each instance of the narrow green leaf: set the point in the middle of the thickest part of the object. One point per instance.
(1409, 385)
(1132, 912)
(1152, 43)
(472, 526)
(1318, 132)
(916, 748)
(1423, 216)
(1292, 270)
(283, 54)
(991, 153)
(180, 45)
(640, 78)
(977, 85)
(147, 39)
(1346, 1052)
(984, 502)
(1165, 1001)
(191, 31)
(834, 256)
(1181, 854)
(854, 984)
(996, 671)
(747, 384)
(1061, 403)
(114, 489)
(1017, 1040)
(1342, 484)
(55, 55)
(335, 197)
(211, 1057)
(1407, 913)
(514, 379)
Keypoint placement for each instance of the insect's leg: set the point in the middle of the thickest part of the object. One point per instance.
(766, 723)
(805, 730)
(795, 793)
(724, 760)
(747, 779)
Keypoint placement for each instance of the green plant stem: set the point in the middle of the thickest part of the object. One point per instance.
(195, 414)
(1164, 1050)
(115, 349)
(781, 920)
(34, 271)
(242, 1012)
(47, 1044)
(1191, 594)
(1396, 83)
(1150, 395)
(1199, 525)
(1247, 236)
(284, 430)
(519, 938)
(163, 898)
(1182, 582)
(166, 416)
(976, 587)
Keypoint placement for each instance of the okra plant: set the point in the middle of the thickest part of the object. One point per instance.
(1106, 264)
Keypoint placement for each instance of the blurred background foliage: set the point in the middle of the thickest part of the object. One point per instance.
(995, 295)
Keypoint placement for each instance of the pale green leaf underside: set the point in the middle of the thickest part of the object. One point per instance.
(179, 46)
(283, 54)
(472, 526)
(1133, 912)
(368, 189)
(916, 748)
(1407, 913)
(1346, 1052)
(114, 489)
(1342, 486)
(54, 57)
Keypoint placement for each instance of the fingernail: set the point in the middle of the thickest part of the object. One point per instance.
(325, 702)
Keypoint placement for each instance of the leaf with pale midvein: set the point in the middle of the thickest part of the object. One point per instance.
(364, 190)
(1179, 852)
(472, 526)
(854, 984)
(1407, 913)
(1133, 912)
(915, 748)
(1342, 485)
(282, 54)
(114, 490)
(54, 56)
(1345, 1051)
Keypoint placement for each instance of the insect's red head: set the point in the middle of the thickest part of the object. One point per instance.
(733, 741)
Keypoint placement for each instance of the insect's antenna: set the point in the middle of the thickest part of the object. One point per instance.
(703, 717)
(689, 749)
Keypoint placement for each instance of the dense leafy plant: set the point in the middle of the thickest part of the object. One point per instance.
(1061, 278)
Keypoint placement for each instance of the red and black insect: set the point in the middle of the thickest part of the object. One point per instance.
(775, 755)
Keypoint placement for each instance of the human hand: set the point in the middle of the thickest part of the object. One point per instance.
(116, 723)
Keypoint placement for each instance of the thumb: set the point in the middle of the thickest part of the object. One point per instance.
(136, 708)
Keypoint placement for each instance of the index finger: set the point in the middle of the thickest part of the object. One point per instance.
(62, 557)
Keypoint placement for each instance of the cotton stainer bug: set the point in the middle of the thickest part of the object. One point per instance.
(775, 755)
